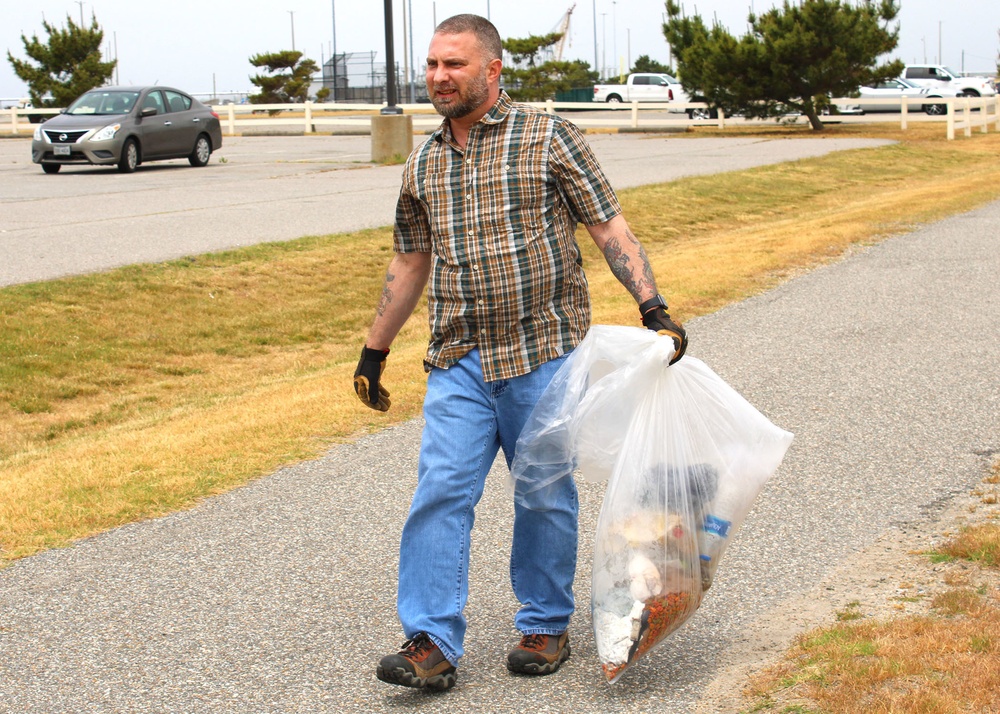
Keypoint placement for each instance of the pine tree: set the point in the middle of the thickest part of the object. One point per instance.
(793, 58)
(529, 80)
(288, 78)
(66, 66)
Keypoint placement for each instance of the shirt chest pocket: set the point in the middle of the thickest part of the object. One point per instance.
(513, 200)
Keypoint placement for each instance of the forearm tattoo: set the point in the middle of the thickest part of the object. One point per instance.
(386, 298)
(621, 265)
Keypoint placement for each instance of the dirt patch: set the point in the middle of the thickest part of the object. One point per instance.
(894, 577)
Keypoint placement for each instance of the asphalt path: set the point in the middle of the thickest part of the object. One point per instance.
(279, 596)
(262, 189)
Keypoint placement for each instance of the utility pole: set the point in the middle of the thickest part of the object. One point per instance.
(292, 14)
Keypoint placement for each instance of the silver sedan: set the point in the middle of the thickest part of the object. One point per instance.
(885, 97)
(127, 126)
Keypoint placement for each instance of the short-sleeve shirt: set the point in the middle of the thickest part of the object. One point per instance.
(499, 220)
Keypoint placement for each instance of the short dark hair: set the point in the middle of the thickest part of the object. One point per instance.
(485, 31)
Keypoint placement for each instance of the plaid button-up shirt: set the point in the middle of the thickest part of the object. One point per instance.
(499, 220)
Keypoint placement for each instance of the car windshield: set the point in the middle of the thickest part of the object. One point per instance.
(103, 102)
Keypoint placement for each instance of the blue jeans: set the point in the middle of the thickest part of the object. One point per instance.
(466, 422)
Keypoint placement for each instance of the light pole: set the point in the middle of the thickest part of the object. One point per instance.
(594, 3)
(390, 65)
(614, 36)
(333, 12)
(604, 45)
(80, 3)
(940, 56)
(292, 15)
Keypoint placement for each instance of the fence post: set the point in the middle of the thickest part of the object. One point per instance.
(309, 118)
(904, 107)
(722, 118)
(550, 107)
(13, 120)
(967, 115)
(951, 119)
(635, 115)
(997, 110)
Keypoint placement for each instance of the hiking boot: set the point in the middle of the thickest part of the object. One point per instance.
(539, 654)
(420, 664)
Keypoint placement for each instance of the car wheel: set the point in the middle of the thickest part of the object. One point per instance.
(130, 157)
(51, 168)
(968, 93)
(703, 113)
(614, 99)
(935, 109)
(202, 151)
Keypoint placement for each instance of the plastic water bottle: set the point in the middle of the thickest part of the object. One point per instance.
(714, 533)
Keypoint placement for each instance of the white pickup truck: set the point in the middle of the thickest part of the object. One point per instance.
(936, 76)
(641, 87)
(650, 87)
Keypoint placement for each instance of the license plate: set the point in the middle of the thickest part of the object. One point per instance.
(61, 150)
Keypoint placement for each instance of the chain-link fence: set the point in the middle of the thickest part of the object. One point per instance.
(355, 78)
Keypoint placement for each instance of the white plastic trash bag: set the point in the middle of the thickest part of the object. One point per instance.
(685, 456)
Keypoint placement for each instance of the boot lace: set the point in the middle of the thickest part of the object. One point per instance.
(534, 642)
(418, 647)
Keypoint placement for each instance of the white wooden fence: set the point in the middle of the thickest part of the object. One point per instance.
(963, 114)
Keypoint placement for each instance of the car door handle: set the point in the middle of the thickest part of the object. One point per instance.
(196, 120)
(168, 123)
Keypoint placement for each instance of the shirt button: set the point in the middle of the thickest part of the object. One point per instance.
(468, 196)
(471, 233)
(482, 331)
(468, 161)
(475, 266)
(481, 302)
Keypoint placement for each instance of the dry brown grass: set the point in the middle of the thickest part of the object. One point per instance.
(139, 391)
(948, 662)
(945, 660)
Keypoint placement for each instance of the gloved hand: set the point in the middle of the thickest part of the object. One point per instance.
(655, 317)
(366, 379)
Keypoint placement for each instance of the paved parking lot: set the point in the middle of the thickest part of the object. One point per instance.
(260, 189)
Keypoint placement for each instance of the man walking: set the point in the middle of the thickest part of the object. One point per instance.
(485, 220)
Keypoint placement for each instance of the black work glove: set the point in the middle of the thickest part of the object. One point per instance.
(366, 379)
(655, 317)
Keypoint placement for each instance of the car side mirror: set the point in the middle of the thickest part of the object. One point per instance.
(148, 112)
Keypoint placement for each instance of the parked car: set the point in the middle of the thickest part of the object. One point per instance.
(939, 77)
(885, 97)
(127, 126)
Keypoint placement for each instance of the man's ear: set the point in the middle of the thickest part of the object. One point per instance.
(493, 70)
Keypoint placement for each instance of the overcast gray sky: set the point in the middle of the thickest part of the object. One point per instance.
(203, 46)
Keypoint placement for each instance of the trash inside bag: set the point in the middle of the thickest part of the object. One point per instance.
(684, 455)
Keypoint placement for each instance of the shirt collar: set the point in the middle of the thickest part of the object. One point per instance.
(497, 113)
